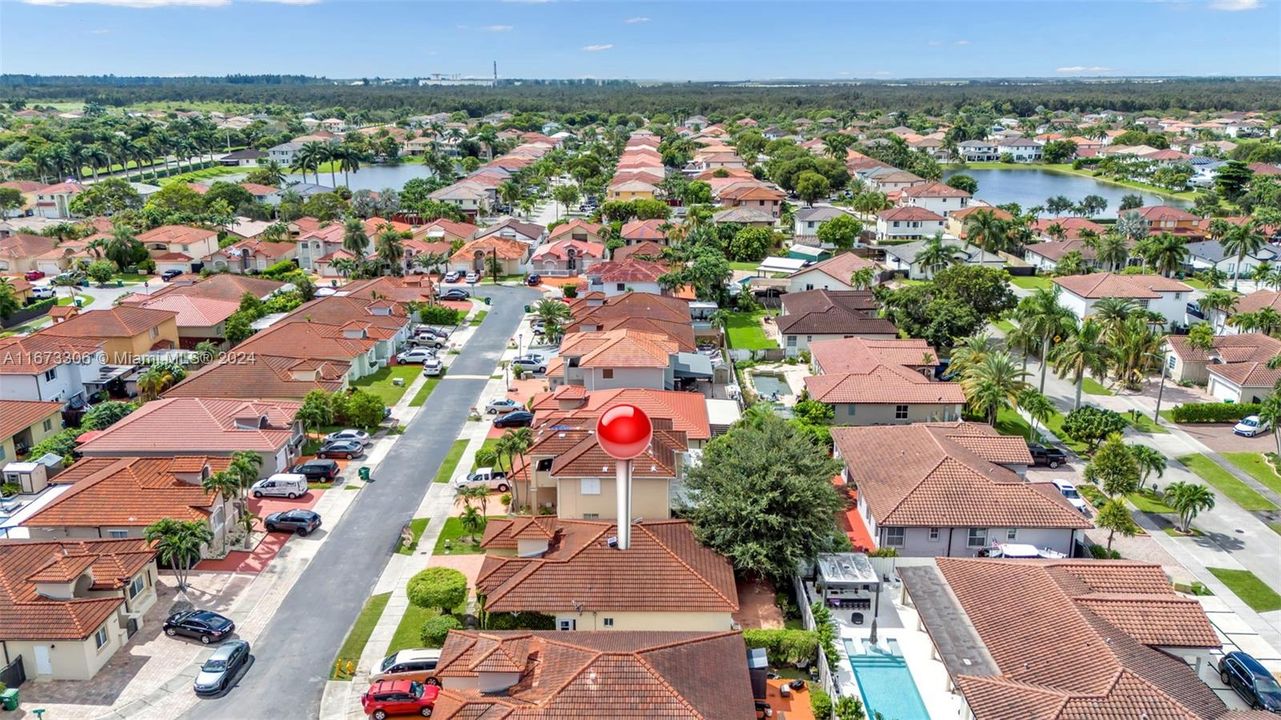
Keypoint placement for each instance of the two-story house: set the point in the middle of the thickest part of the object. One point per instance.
(1021, 149)
(54, 202)
(816, 315)
(753, 195)
(615, 359)
(1165, 296)
(623, 275)
(834, 273)
(24, 423)
(881, 381)
(908, 223)
(127, 332)
(180, 247)
(48, 368)
(1167, 218)
(978, 151)
(936, 197)
(565, 256)
(807, 220)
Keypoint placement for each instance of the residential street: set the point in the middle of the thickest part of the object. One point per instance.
(294, 655)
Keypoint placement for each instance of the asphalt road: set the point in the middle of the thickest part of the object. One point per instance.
(295, 653)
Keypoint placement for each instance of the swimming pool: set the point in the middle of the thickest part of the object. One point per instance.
(770, 386)
(886, 684)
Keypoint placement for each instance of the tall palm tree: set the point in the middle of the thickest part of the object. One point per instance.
(1150, 461)
(937, 255)
(985, 229)
(514, 444)
(178, 544)
(348, 161)
(1265, 320)
(391, 250)
(272, 172)
(1085, 350)
(329, 153)
(1038, 407)
(1135, 350)
(994, 384)
(969, 352)
(223, 484)
(1168, 254)
(1044, 318)
(1242, 240)
(1112, 251)
(354, 238)
(1112, 313)
(1216, 304)
(1188, 500)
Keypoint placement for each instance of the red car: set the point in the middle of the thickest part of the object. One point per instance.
(33, 275)
(399, 697)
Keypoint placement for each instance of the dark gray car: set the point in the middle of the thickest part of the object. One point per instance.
(220, 670)
(302, 522)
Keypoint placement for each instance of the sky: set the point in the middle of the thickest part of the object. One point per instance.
(687, 40)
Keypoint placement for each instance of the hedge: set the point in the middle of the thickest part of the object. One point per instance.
(435, 629)
(784, 646)
(440, 315)
(519, 621)
(1212, 412)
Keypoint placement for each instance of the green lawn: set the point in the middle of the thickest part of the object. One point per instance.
(359, 634)
(748, 266)
(1144, 424)
(745, 332)
(489, 444)
(1055, 425)
(480, 318)
(380, 383)
(208, 173)
(1010, 422)
(1032, 282)
(457, 538)
(85, 300)
(416, 526)
(1257, 467)
(1149, 503)
(1226, 483)
(1252, 591)
(420, 398)
(1094, 387)
(134, 277)
(452, 457)
(409, 631)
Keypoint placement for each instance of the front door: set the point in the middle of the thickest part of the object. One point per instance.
(44, 666)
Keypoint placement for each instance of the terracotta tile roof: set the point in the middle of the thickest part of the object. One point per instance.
(601, 674)
(909, 212)
(1056, 249)
(1104, 285)
(23, 245)
(201, 312)
(839, 267)
(585, 458)
(39, 352)
(644, 230)
(1258, 300)
(1247, 374)
(619, 349)
(687, 411)
(527, 229)
(559, 249)
(208, 425)
(18, 415)
(575, 224)
(751, 190)
(581, 572)
(646, 248)
(180, 234)
(996, 212)
(833, 312)
(269, 377)
(505, 248)
(255, 246)
(953, 475)
(634, 310)
(134, 492)
(1242, 347)
(628, 270)
(1072, 226)
(406, 289)
(934, 190)
(442, 227)
(1166, 213)
(1076, 639)
(125, 321)
(259, 190)
(307, 340)
(27, 615)
(882, 384)
(846, 354)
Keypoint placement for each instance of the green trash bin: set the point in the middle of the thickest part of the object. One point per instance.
(364, 474)
(9, 699)
(529, 309)
(488, 300)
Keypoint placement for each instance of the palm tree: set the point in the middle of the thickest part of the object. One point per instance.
(1135, 349)
(1112, 313)
(862, 279)
(1270, 409)
(331, 154)
(272, 171)
(473, 493)
(354, 238)
(430, 261)
(1264, 320)
(937, 255)
(1038, 407)
(1242, 240)
(994, 384)
(1044, 318)
(1188, 500)
(222, 484)
(967, 353)
(1150, 461)
(1085, 350)
(311, 155)
(1112, 251)
(473, 522)
(390, 247)
(157, 379)
(178, 543)
(513, 444)
(554, 314)
(348, 161)
(985, 229)
(1167, 254)
(1216, 304)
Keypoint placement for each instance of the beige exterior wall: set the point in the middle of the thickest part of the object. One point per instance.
(700, 621)
(121, 351)
(850, 414)
(217, 524)
(9, 451)
(650, 500)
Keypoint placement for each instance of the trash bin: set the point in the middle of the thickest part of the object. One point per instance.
(529, 309)
(488, 300)
(9, 699)
(364, 474)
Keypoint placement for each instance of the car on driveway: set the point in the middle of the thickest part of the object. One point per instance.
(1251, 425)
(415, 356)
(219, 671)
(418, 665)
(1251, 680)
(1050, 457)
(501, 405)
(516, 418)
(204, 625)
(317, 470)
(455, 294)
(386, 698)
(347, 449)
(1072, 495)
(33, 274)
(302, 522)
(453, 276)
(534, 280)
(170, 274)
(427, 341)
(44, 292)
(280, 485)
(472, 278)
(530, 363)
(351, 435)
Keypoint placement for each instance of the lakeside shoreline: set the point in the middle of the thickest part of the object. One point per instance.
(1067, 169)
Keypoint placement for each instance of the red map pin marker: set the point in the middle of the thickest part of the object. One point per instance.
(624, 431)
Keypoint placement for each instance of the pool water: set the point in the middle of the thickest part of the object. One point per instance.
(768, 386)
(886, 684)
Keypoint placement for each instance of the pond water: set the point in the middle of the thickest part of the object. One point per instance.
(1029, 187)
(369, 177)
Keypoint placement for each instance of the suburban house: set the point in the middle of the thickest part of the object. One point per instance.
(70, 605)
(955, 224)
(1020, 149)
(936, 197)
(118, 498)
(476, 256)
(49, 368)
(23, 423)
(203, 306)
(1211, 254)
(1248, 303)
(639, 231)
(570, 570)
(834, 273)
(619, 276)
(615, 359)
(1009, 635)
(889, 179)
(576, 407)
(252, 254)
(249, 157)
(447, 231)
(531, 234)
(807, 221)
(908, 223)
(1162, 295)
(596, 312)
(470, 197)
(815, 315)
(908, 477)
(1187, 364)
(642, 249)
(886, 381)
(564, 256)
(1167, 218)
(1065, 228)
(1046, 256)
(54, 202)
(578, 229)
(904, 257)
(283, 154)
(180, 247)
(489, 674)
(754, 195)
(20, 252)
(212, 427)
(1246, 381)
(269, 377)
(832, 357)
(978, 151)
(127, 332)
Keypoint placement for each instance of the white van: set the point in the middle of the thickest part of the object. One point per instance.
(290, 485)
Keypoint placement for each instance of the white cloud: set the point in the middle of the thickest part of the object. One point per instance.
(497, 28)
(597, 48)
(1079, 69)
(1235, 5)
(962, 42)
(636, 20)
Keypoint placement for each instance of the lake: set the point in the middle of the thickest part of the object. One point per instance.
(1029, 188)
(369, 177)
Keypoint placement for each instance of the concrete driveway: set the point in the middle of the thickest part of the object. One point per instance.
(1220, 438)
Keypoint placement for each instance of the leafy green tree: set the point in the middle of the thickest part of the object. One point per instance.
(438, 588)
(436, 629)
(1188, 500)
(842, 231)
(1115, 517)
(101, 271)
(124, 248)
(766, 499)
(964, 183)
(750, 243)
(9, 303)
(1091, 425)
(956, 303)
(1113, 468)
(811, 186)
(1232, 179)
(10, 199)
(237, 328)
(1058, 151)
(359, 408)
(106, 197)
(316, 411)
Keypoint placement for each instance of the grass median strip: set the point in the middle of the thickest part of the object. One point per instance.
(1247, 586)
(1226, 483)
(354, 645)
(450, 462)
(420, 397)
(416, 528)
(1257, 466)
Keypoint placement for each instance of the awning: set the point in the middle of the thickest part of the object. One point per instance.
(693, 365)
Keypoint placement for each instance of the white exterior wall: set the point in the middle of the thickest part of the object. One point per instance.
(653, 378)
(815, 280)
(611, 289)
(917, 542)
(940, 205)
(903, 229)
(66, 383)
(671, 621)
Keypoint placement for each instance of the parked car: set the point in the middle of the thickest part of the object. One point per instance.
(501, 405)
(218, 672)
(453, 276)
(347, 449)
(1251, 680)
(1251, 425)
(431, 330)
(516, 418)
(1048, 456)
(33, 274)
(485, 477)
(170, 274)
(398, 697)
(531, 363)
(302, 522)
(415, 356)
(418, 665)
(290, 485)
(433, 367)
(204, 625)
(1070, 493)
(427, 341)
(351, 434)
(472, 278)
(534, 280)
(44, 292)
(317, 470)
(455, 294)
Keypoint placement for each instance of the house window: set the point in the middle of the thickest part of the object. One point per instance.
(155, 332)
(894, 536)
(620, 286)
(851, 409)
(117, 534)
(50, 374)
(608, 622)
(607, 373)
(791, 341)
(48, 425)
(1011, 535)
(567, 624)
(934, 534)
(900, 412)
(591, 516)
(136, 586)
(589, 486)
(977, 538)
(100, 637)
(1169, 363)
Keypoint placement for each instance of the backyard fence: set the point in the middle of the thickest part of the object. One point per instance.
(807, 617)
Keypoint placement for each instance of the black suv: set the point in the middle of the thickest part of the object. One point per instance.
(317, 470)
(206, 625)
(1251, 680)
(1049, 456)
